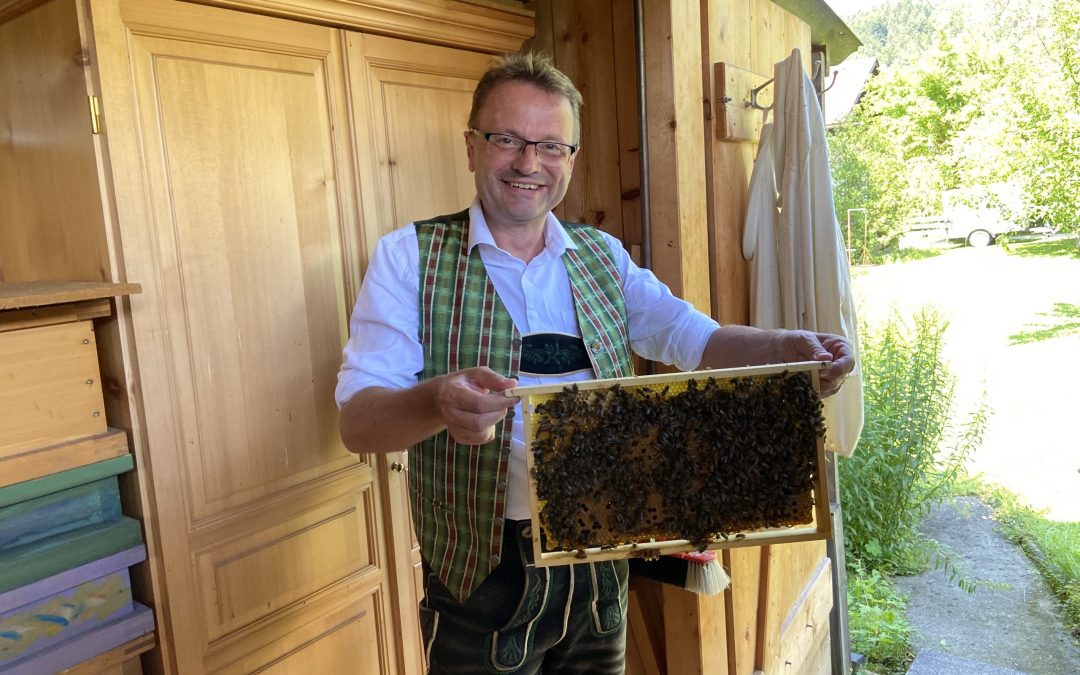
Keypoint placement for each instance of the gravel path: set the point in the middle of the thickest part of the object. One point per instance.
(1013, 624)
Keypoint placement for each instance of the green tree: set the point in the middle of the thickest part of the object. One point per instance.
(1050, 128)
(972, 96)
(896, 32)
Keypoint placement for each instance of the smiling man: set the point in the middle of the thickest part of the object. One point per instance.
(457, 309)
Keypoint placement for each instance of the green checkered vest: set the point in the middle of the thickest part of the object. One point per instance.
(458, 492)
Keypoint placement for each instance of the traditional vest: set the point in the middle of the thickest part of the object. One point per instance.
(458, 492)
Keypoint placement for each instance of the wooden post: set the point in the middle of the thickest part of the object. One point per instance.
(675, 119)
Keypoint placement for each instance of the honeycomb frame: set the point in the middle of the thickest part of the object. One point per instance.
(813, 498)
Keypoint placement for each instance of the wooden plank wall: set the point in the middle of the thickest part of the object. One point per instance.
(750, 34)
(697, 184)
(698, 201)
(581, 37)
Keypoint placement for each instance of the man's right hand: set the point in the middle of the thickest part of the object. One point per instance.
(467, 403)
(471, 403)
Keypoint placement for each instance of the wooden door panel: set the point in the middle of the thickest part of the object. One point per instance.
(250, 249)
(436, 158)
(52, 225)
(413, 114)
(271, 534)
(347, 637)
(263, 571)
(349, 648)
(796, 620)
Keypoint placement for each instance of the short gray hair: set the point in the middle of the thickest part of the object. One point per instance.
(533, 68)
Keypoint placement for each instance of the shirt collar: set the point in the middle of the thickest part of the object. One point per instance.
(556, 240)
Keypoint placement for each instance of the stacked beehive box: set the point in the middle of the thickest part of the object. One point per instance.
(65, 545)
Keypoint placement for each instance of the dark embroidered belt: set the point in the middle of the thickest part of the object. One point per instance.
(546, 354)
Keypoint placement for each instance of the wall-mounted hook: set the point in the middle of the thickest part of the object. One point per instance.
(753, 102)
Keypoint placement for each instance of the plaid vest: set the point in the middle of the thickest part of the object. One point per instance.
(458, 492)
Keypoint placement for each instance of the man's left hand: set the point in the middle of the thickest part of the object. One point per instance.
(803, 345)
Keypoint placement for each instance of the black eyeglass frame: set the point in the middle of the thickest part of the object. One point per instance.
(486, 135)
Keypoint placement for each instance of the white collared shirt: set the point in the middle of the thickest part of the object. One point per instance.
(384, 348)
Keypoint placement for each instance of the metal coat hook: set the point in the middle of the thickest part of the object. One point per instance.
(753, 102)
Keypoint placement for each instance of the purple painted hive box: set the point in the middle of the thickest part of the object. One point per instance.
(49, 612)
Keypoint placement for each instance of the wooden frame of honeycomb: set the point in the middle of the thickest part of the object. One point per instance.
(631, 467)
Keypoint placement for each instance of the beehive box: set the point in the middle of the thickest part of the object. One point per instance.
(677, 462)
(47, 613)
(53, 524)
(52, 387)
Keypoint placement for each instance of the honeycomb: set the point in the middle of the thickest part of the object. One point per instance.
(699, 459)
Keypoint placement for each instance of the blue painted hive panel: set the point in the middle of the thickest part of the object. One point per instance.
(52, 515)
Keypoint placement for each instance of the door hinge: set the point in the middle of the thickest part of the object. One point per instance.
(95, 114)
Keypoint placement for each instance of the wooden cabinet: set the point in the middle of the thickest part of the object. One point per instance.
(245, 165)
(269, 530)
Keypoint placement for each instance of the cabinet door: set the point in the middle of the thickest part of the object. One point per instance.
(233, 184)
(47, 151)
(411, 105)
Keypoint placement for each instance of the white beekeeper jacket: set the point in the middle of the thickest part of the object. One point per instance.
(799, 269)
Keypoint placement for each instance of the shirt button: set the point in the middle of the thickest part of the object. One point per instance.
(495, 560)
(502, 485)
(516, 342)
(596, 346)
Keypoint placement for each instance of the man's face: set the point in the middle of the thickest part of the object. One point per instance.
(518, 189)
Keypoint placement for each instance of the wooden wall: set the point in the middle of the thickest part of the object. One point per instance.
(697, 200)
(581, 36)
(754, 35)
(697, 184)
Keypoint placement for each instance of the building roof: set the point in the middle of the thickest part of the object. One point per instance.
(826, 28)
(845, 91)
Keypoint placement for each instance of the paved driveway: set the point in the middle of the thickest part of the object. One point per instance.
(1032, 442)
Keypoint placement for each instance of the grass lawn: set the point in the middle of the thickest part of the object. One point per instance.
(1054, 547)
(1063, 247)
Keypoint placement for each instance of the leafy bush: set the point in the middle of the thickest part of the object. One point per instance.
(877, 621)
(909, 453)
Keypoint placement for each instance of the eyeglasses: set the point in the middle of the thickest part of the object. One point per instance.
(549, 152)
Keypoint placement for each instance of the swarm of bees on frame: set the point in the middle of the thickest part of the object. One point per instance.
(699, 461)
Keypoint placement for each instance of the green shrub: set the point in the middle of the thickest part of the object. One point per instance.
(877, 621)
(909, 453)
